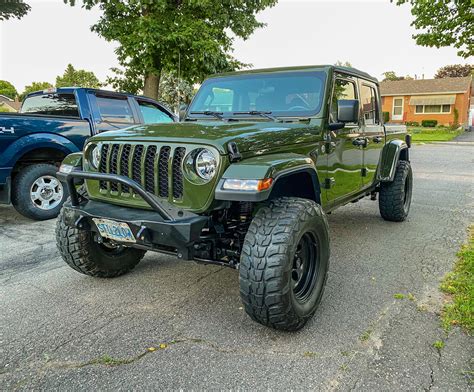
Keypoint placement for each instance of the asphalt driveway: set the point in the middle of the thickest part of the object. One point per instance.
(65, 331)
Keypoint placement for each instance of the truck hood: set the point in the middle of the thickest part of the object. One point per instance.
(258, 137)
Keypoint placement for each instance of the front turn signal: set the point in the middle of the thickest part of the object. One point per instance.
(247, 185)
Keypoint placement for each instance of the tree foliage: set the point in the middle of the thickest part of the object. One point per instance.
(77, 77)
(390, 75)
(35, 86)
(444, 23)
(158, 36)
(455, 71)
(13, 9)
(8, 89)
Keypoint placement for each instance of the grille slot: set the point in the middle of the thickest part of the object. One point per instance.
(163, 171)
(103, 165)
(124, 162)
(150, 169)
(177, 172)
(157, 168)
(113, 165)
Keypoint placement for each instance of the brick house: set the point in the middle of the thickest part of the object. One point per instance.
(427, 99)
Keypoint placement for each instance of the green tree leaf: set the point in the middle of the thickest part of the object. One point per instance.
(8, 89)
(444, 23)
(77, 78)
(455, 71)
(192, 38)
(13, 9)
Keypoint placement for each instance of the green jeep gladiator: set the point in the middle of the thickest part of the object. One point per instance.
(244, 180)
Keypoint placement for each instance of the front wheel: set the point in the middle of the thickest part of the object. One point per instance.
(79, 250)
(395, 196)
(37, 193)
(284, 263)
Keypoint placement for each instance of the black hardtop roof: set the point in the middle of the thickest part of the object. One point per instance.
(337, 68)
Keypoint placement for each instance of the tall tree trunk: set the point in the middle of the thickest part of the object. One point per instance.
(152, 84)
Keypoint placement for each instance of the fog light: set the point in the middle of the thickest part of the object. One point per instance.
(247, 185)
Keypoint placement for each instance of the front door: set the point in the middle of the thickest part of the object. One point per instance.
(397, 110)
(372, 130)
(343, 177)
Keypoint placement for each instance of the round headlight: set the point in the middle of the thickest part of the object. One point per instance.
(205, 164)
(95, 156)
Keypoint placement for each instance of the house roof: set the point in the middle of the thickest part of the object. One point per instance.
(425, 86)
(4, 98)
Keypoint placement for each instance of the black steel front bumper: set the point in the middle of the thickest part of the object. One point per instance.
(163, 228)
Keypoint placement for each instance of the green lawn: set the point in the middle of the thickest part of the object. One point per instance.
(459, 285)
(432, 134)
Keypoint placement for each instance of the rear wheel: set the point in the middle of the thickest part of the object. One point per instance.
(395, 196)
(284, 263)
(37, 193)
(104, 260)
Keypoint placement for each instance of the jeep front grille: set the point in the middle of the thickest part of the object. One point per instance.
(155, 167)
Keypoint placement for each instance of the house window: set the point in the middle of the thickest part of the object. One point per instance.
(432, 109)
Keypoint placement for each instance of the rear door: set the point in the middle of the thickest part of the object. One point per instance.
(113, 112)
(372, 130)
(344, 155)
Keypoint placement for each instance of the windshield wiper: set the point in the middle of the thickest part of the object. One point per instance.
(218, 115)
(259, 113)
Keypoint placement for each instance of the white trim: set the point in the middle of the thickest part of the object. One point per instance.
(398, 117)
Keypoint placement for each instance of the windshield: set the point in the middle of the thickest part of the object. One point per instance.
(292, 94)
(51, 104)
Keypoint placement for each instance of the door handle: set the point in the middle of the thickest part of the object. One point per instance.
(360, 141)
(377, 139)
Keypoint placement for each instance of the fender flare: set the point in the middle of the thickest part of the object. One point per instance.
(31, 142)
(389, 159)
(278, 167)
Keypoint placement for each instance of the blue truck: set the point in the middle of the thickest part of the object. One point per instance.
(52, 124)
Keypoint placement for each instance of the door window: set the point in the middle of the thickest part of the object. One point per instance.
(397, 107)
(115, 110)
(343, 89)
(152, 114)
(368, 102)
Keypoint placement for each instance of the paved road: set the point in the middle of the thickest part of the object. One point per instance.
(62, 330)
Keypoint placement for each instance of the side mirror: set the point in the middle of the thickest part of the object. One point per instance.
(348, 110)
(182, 111)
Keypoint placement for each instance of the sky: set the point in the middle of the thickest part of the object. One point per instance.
(374, 36)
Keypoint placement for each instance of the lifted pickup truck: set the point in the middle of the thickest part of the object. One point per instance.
(244, 181)
(52, 124)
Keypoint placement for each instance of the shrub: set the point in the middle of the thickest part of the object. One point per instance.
(386, 117)
(455, 124)
(412, 124)
(429, 123)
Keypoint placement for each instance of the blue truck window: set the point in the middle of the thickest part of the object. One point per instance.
(152, 114)
(51, 104)
(115, 110)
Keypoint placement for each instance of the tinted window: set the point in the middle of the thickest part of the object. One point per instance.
(368, 102)
(153, 114)
(115, 110)
(343, 89)
(51, 104)
(283, 93)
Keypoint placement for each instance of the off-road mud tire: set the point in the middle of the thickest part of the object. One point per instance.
(79, 250)
(395, 196)
(267, 260)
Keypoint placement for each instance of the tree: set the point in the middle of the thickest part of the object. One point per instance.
(454, 71)
(13, 9)
(444, 23)
(8, 89)
(77, 77)
(35, 86)
(160, 36)
(390, 75)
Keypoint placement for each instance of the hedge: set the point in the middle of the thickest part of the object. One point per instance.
(429, 123)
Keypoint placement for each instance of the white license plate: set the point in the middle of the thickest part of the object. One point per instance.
(117, 231)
